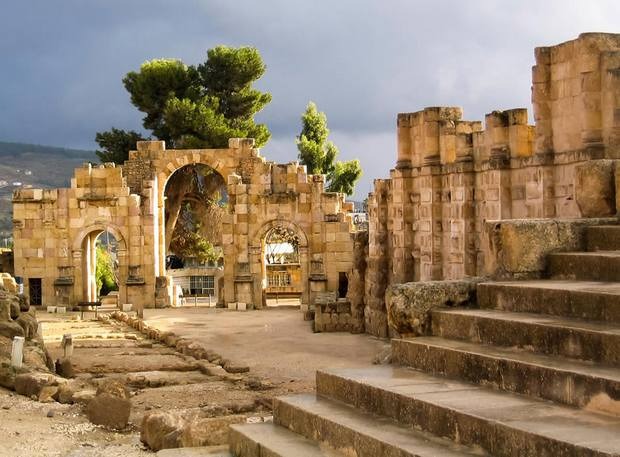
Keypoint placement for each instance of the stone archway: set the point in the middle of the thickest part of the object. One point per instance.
(258, 265)
(223, 161)
(84, 255)
(129, 201)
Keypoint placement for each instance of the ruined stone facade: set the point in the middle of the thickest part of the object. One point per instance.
(55, 230)
(427, 221)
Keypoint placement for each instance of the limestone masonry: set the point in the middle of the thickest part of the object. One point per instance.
(55, 230)
(429, 220)
(436, 217)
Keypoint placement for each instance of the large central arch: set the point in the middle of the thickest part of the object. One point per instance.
(223, 161)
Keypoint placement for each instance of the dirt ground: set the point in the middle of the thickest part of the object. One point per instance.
(277, 345)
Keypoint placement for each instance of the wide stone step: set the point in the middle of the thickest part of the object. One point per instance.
(206, 451)
(571, 382)
(585, 266)
(603, 238)
(504, 424)
(563, 336)
(582, 299)
(360, 434)
(270, 440)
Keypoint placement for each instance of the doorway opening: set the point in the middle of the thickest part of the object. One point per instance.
(282, 267)
(100, 254)
(196, 199)
(343, 285)
(35, 291)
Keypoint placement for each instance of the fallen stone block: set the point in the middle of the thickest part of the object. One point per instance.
(167, 430)
(409, 305)
(232, 367)
(111, 406)
(7, 375)
(31, 384)
(64, 368)
(10, 329)
(160, 430)
(83, 397)
(28, 322)
(48, 394)
(212, 370)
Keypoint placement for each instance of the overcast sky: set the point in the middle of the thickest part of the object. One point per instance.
(361, 61)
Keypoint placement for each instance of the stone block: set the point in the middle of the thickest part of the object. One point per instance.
(232, 306)
(241, 307)
(518, 248)
(595, 188)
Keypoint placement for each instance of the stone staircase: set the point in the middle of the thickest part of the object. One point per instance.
(535, 371)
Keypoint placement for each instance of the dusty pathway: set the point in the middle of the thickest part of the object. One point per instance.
(277, 344)
(27, 431)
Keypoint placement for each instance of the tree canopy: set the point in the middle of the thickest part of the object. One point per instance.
(319, 154)
(192, 106)
(115, 144)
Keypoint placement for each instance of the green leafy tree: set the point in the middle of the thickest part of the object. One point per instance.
(199, 106)
(104, 272)
(188, 240)
(157, 82)
(115, 145)
(319, 154)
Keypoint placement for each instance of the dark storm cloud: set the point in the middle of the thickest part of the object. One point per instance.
(360, 61)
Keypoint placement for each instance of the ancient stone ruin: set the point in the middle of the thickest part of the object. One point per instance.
(434, 218)
(492, 258)
(55, 230)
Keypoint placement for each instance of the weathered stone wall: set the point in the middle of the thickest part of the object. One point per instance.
(55, 230)
(428, 220)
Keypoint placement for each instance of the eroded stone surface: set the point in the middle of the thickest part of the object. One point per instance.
(409, 305)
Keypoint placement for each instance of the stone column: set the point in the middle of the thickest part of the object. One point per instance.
(87, 266)
(93, 268)
(305, 283)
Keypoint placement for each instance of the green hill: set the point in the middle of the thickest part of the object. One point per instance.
(37, 166)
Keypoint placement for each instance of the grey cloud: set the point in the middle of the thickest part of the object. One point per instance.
(361, 61)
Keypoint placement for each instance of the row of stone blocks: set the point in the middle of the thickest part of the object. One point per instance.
(534, 371)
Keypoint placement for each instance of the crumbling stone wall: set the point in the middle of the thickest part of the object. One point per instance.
(55, 229)
(428, 221)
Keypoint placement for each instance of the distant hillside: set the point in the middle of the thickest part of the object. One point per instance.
(36, 166)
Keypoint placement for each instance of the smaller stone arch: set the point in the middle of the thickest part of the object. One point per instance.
(99, 227)
(257, 258)
(266, 227)
(85, 264)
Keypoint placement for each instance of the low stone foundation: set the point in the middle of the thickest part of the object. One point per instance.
(337, 315)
